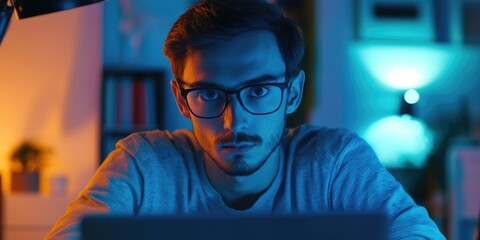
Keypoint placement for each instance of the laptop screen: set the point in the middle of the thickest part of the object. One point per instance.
(279, 227)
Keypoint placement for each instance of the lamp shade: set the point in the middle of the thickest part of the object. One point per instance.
(31, 8)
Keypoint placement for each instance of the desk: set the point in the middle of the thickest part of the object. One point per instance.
(30, 215)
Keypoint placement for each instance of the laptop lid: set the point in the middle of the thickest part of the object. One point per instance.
(278, 227)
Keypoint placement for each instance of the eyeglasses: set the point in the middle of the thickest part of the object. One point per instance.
(257, 99)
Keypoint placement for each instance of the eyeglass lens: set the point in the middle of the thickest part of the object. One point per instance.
(258, 99)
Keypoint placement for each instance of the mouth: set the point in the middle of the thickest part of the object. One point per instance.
(236, 148)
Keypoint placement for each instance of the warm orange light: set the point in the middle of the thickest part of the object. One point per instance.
(49, 81)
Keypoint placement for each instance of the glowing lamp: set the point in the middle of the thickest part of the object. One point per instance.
(400, 141)
(411, 96)
(404, 67)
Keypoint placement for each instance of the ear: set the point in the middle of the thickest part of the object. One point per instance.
(181, 102)
(295, 92)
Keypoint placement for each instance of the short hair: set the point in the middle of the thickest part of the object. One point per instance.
(211, 21)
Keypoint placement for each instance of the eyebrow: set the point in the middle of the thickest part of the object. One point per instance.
(266, 78)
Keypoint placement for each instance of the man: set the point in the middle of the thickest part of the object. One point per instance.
(235, 66)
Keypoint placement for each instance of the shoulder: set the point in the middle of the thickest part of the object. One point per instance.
(326, 145)
(159, 144)
(308, 136)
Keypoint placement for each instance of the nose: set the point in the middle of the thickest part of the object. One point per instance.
(234, 116)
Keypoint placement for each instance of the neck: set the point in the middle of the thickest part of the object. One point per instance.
(241, 192)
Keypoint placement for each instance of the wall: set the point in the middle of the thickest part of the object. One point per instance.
(333, 34)
(49, 83)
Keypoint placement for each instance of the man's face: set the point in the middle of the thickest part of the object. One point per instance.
(238, 141)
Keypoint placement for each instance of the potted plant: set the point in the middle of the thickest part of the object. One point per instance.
(27, 161)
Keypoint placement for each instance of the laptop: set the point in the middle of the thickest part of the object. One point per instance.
(336, 226)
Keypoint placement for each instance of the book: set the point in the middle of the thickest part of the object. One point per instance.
(110, 102)
(125, 103)
(139, 100)
(150, 104)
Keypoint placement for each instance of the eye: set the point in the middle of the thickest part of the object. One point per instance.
(209, 95)
(258, 91)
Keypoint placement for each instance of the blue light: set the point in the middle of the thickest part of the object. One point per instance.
(400, 141)
(411, 96)
(404, 66)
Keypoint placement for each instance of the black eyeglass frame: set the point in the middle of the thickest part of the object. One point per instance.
(185, 92)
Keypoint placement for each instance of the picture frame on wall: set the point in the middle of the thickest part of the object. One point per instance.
(397, 20)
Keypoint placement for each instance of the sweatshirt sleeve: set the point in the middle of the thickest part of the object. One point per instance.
(375, 189)
(114, 189)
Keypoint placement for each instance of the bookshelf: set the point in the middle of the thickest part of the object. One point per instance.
(131, 101)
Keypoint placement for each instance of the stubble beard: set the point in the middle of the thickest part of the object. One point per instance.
(239, 165)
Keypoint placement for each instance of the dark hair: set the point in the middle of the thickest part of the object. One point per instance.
(211, 21)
